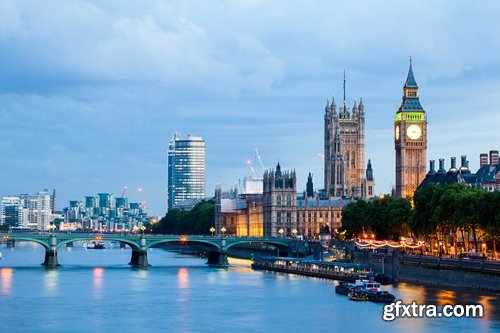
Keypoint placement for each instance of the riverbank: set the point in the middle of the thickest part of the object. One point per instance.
(441, 272)
(322, 269)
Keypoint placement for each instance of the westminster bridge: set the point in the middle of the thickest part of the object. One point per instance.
(215, 246)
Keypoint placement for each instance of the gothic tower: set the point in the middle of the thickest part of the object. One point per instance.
(410, 139)
(280, 202)
(344, 149)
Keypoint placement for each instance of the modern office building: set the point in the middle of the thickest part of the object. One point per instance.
(11, 211)
(410, 140)
(186, 169)
(345, 150)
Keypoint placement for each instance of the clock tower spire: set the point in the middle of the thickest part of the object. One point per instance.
(410, 139)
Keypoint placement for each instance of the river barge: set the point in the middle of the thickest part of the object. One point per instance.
(334, 270)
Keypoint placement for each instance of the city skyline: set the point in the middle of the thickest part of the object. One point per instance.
(91, 93)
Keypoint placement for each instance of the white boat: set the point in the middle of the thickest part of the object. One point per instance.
(0, 255)
(94, 245)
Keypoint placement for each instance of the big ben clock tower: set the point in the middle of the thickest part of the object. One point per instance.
(410, 139)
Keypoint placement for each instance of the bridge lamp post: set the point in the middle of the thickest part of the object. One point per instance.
(212, 230)
(281, 231)
(223, 230)
(142, 229)
(294, 232)
(51, 228)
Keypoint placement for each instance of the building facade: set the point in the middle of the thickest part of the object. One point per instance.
(344, 150)
(410, 140)
(487, 177)
(33, 211)
(278, 211)
(186, 169)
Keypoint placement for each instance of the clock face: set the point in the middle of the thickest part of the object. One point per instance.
(397, 132)
(414, 132)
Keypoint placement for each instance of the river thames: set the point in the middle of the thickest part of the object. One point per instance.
(96, 291)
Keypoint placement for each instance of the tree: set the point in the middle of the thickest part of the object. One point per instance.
(197, 221)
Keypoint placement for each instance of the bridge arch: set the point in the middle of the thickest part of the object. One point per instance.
(34, 240)
(212, 245)
(132, 244)
(277, 243)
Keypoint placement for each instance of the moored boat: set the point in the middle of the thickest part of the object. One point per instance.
(380, 296)
(94, 245)
(343, 288)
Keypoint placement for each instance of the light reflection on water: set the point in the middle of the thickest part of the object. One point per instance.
(51, 278)
(98, 292)
(6, 280)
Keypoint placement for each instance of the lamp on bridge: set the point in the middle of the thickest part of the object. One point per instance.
(294, 232)
(52, 227)
(281, 231)
(212, 230)
(135, 228)
(143, 227)
(223, 230)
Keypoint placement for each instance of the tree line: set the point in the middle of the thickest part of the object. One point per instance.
(196, 221)
(456, 215)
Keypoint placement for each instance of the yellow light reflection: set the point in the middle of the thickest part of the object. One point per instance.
(98, 280)
(6, 280)
(183, 278)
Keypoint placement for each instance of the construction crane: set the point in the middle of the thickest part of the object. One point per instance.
(252, 171)
(125, 188)
(260, 160)
(141, 195)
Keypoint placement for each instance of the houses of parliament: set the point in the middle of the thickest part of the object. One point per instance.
(271, 206)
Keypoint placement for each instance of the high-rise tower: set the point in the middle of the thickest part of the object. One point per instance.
(410, 139)
(344, 149)
(186, 169)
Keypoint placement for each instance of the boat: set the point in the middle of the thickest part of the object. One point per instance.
(358, 293)
(380, 296)
(343, 288)
(94, 245)
(364, 290)
(0, 255)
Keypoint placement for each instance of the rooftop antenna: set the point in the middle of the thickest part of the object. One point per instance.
(344, 86)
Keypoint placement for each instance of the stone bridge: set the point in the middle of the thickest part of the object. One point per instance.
(215, 246)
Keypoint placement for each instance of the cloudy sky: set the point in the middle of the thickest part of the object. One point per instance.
(92, 91)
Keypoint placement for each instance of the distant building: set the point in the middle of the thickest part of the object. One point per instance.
(344, 150)
(410, 139)
(487, 177)
(277, 212)
(186, 169)
(11, 211)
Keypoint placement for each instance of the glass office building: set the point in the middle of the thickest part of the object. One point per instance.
(186, 169)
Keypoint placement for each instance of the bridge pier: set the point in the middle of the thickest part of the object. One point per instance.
(140, 256)
(218, 259)
(139, 259)
(51, 253)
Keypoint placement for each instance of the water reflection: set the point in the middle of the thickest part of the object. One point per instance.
(183, 278)
(98, 282)
(139, 281)
(51, 277)
(6, 280)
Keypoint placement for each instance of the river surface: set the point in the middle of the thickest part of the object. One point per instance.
(96, 291)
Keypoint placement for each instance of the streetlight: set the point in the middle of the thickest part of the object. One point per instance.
(281, 231)
(136, 229)
(143, 227)
(212, 230)
(51, 227)
(223, 230)
(294, 232)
